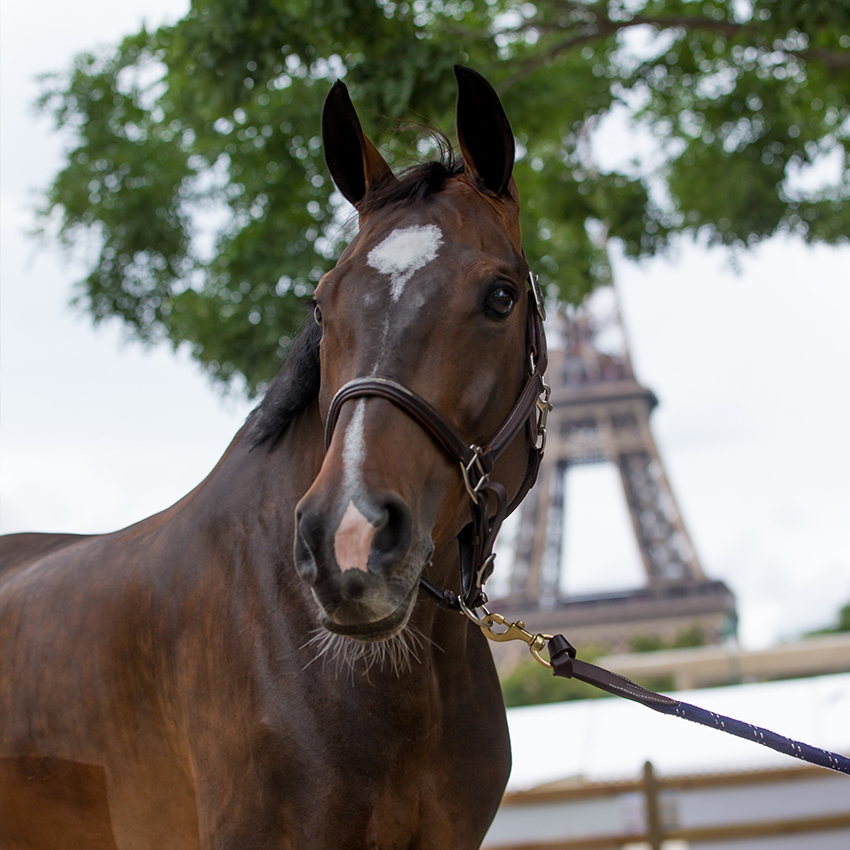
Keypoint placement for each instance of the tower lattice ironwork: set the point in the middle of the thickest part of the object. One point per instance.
(601, 413)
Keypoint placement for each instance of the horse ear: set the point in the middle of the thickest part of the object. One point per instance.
(483, 131)
(353, 161)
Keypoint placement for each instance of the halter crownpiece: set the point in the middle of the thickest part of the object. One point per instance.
(477, 539)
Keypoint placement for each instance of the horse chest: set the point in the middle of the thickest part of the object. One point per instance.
(417, 804)
(384, 775)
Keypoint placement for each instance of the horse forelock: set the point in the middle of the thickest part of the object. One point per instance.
(416, 183)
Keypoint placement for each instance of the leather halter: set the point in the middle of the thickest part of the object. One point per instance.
(476, 540)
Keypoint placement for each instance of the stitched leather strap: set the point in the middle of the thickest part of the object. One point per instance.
(565, 664)
(562, 655)
(407, 400)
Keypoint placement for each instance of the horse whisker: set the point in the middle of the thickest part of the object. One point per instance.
(396, 654)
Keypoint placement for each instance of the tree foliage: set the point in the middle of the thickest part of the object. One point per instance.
(528, 683)
(195, 166)
(689, 638)
(842, 623)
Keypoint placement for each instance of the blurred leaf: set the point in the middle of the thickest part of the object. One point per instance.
(842, 624)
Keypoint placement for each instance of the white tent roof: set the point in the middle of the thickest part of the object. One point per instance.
(611, 739)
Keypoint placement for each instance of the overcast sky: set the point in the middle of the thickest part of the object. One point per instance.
(751, 369)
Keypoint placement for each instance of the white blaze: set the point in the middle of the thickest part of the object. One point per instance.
(353, 538)
(354, 451)
(403, 252)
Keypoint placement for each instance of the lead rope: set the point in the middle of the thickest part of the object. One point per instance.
(563, 663)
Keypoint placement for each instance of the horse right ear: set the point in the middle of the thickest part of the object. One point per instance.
(483, 132)
(353, 161)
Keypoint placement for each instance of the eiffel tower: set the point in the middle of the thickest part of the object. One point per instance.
(601, 415)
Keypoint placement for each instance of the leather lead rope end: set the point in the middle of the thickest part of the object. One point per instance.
(565, 664)
(561, 655)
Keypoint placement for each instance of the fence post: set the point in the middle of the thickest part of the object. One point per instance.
(653, 821)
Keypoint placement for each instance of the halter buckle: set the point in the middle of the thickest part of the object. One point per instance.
(537, 293)
(474, 466)
(544, 407)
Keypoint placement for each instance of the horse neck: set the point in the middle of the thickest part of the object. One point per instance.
(256, 487)
(245, 512)
(248, 480)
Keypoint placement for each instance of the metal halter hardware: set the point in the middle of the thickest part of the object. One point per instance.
(489, 503)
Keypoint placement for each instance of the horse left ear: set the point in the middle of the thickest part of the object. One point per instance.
(353, 161)
(484, 132)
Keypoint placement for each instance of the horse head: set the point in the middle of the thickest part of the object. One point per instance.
(428, 300)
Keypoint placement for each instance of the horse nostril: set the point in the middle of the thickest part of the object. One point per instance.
(392, 539)
(354, 585)
(307, 544)
(343, 558)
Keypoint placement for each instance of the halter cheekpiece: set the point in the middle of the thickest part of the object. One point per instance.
(488, 499)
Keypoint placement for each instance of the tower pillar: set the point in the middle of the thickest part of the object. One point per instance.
(601, 414)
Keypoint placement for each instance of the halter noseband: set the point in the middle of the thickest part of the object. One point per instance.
(476, 540)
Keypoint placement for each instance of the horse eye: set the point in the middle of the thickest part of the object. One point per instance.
(317, 314)
(500, 302)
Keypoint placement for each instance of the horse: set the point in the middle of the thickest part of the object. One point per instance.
(261, 664)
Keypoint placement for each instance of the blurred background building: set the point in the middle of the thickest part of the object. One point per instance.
(601, 414)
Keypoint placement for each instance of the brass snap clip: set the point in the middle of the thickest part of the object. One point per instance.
(514, 631)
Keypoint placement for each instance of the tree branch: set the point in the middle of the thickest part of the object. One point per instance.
(533, 63)
(833, 61)
(606, 27)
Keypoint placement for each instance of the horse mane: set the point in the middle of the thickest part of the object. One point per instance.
(292, 390)
(297, 384)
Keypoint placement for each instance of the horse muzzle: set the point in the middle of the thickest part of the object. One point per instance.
(362, 563)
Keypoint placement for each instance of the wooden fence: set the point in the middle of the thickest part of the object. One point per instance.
(700, 812)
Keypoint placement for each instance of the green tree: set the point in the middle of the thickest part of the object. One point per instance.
(690, 637)
(210, 126)
(842, 624)
(530, 684)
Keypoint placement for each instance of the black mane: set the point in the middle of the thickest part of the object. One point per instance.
(297, 384)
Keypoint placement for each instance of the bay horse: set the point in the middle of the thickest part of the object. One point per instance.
(255, 667)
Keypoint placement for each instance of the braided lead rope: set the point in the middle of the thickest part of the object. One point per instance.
(565, 664)
(758, 734)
